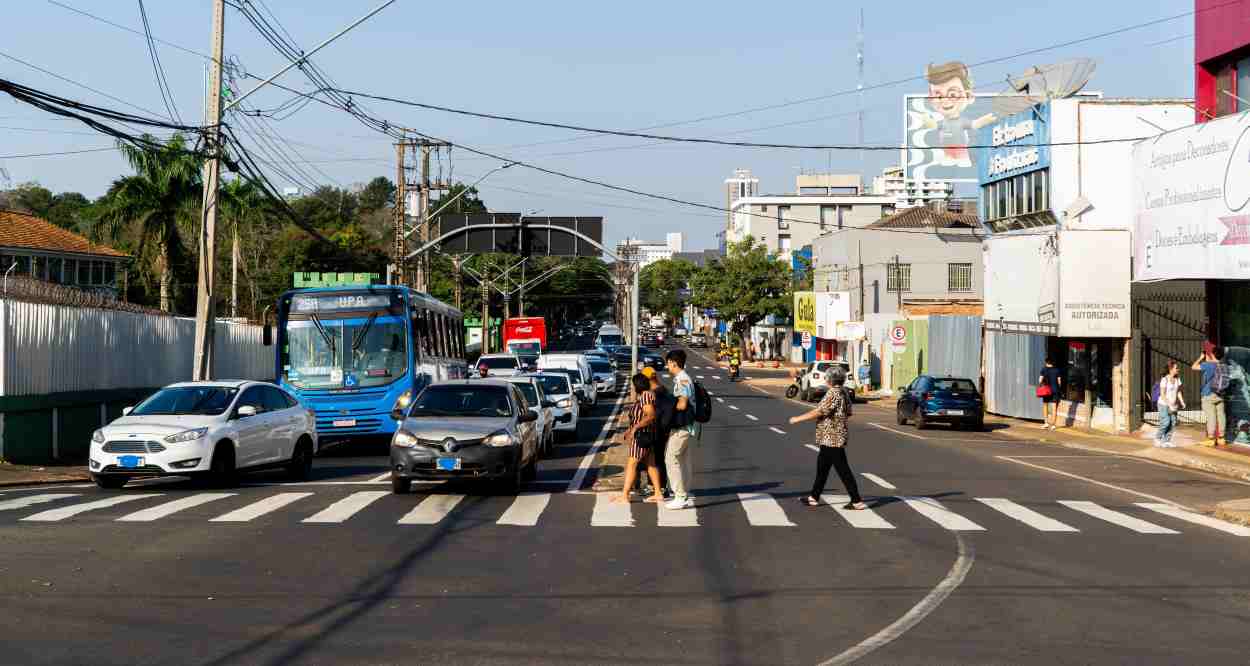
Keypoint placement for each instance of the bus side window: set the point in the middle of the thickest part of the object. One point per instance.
(460, 338)
(442, 329)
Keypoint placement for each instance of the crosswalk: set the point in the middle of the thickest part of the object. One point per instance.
(533, 508)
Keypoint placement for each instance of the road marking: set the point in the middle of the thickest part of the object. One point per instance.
(169, 508)
(611, 514)
(734, 407)
(575, 486)
(1025, 515)
(346, 507)
(720, 400)
(525, 509)
(895, 431)
(384, 476)
(676, 517)
(258, 509)
(779, 431)
(813, 447)
(944, 517)
(1196, 518)
(710, 393)
(717, 378)
(700, 377)
(864, 519)
(1089, 480)
(763, 510)
(431, 510)
(31, 500)
(1116, 518)
(878, 480)
(751, 417)
(53, 515)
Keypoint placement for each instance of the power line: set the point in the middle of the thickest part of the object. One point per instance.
(162, 82)
(59, 153)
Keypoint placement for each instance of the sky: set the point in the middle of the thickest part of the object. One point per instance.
(621, 66)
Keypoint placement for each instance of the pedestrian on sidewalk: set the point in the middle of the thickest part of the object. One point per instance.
(641, 440)
(1052, 379)
(1214, 383)
(832, 414)
(1170, 402)
(752, 353)
(865, 377)
(683, 440)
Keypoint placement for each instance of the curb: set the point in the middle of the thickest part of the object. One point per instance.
(42, 482)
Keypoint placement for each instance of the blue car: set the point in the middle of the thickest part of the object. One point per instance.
(951, 400)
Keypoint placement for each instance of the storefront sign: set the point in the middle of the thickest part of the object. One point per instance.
(831, 307)
(1094, 283)
(1192, 198)
(1018, 144)
(850, 330)
(805, 312)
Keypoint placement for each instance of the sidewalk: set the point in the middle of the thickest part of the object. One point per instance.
(26, 475)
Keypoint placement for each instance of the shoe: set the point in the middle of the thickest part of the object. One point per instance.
(1220, 442)
(679, 504)
(1208, 442)
(854, 506)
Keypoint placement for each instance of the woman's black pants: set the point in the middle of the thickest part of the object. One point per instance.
(835, 457)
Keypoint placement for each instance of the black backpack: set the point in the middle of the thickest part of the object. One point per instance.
(666, 411)
(702, 404)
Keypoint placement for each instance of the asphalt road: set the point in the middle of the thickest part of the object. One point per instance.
(978, 549)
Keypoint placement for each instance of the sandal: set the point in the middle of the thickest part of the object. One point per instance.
(855, 506)
(653, 500)
(809, 501)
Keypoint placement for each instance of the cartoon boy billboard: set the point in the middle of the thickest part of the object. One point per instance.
(950, 94)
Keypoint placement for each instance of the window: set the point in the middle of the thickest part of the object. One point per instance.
(842, 212)
(84, 272)
(959, 277)
(71, 268)
(97, 272)
(826, 217)
(253, 397)
(813, 191)
(54, 269)
(898, 277)
(273, 399)
(109, 273)
(783, 244)
(844, 190)
(783, 213)
(41, 268)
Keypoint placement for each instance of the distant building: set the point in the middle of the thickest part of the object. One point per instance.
(32, 247)
(647, 252)
(909, 192)
(701, 258)
(677, 241)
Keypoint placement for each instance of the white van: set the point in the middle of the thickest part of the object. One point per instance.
(577, 362)
(610, 335)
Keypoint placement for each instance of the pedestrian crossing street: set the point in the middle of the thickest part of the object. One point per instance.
(531, 509)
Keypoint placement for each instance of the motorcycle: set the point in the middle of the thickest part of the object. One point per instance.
(734, 370)
(796, 385)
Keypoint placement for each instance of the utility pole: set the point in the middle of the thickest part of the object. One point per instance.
(456, 260)
(424, 186)
(400, 249)
(898, 282)
(485, 312)
(202, 368)
(861, 281)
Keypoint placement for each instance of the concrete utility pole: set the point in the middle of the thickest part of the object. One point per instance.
(898, 282)
(202, 367)
(485, 313)
(400, 249)
(456, 261)
(423, 193)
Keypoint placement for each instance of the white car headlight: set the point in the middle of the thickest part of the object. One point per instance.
(404, 439)
(500, 438)
(98, 436)
(563, 404)
(187, 435)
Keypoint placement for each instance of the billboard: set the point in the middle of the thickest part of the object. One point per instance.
(1191, 192)
(940, 125)
(1019, 143)
(805, 312)
(520, 238)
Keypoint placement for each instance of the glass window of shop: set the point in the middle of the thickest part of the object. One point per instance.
(1025, 194)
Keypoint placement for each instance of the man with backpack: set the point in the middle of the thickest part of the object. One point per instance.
(684, 436)
(1214, 386)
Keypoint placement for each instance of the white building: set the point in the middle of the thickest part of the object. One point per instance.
(909, 192)
(648, 252)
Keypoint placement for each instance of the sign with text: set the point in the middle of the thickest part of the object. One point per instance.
(1018, 144)
(805, 312)
(1094, 283)
(1191, 192)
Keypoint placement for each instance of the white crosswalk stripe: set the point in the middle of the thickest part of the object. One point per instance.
(1195, 518)
(864, 519)
(879, 481)
(752, 417)
(346, 507)
(53, 515)
(677, 517)
(525, 509)
(31, 500)
(734, 407)
(763, 510)
(935, 511)
(1116, 518)
(611, 514)
(257, 509)
(169, 508)
(779, 431)
(431, 510)
(1025, 515)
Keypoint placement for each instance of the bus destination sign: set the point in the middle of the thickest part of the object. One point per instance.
(334, 302)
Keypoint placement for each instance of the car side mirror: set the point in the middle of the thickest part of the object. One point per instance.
(245, 411)
(266, 335)
(127, 410)
(548, 404)
(527, 416)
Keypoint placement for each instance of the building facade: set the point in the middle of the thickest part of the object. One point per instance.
(32, 247)
(649, 252)
(909, 192)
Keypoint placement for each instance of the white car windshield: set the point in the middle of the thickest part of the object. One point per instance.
(459, 400)
(527, 390)
(554, 385)
(187, 400)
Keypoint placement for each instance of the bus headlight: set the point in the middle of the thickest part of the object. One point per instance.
(402, 402)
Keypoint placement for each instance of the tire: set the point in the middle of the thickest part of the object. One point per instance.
(300, 466)
(792, 391)
(400, 486)
(109, 481)
(222, 472)
(898, 417)
(921, 424)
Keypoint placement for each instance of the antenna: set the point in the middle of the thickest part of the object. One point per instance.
(859, 60)
(1040, 83)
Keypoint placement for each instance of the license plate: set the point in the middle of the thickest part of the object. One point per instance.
(130, 461)
(954, 412)
(449, 464)
(345, 423)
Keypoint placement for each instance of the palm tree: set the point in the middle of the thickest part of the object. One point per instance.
(240, 201)
(156, 203)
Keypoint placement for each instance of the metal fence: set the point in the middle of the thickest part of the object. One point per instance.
(955, 346)
(46, 349)
(1013, 362)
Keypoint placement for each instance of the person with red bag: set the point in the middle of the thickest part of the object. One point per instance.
(1048, 385)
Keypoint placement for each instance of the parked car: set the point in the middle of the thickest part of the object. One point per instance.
(559, 389)
(539, 403)
(952, 400)
(698, 340)
(815, 379)
(500, 365)
(679, 332)
(466, 429)
(213, 429)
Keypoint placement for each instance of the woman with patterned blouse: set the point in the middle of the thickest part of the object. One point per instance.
(641, 438)
(831, 416)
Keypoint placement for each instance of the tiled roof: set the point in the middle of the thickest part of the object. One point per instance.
(922, 217)
(34, 233)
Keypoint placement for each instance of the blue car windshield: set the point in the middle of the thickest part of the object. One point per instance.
(462, 401)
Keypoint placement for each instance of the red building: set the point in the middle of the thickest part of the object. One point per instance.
(1221, 57)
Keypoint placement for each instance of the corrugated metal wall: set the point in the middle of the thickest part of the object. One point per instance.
(1013, 362)
(54, 348)
(955, 346)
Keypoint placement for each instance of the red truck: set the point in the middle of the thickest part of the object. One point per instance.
(525, 335)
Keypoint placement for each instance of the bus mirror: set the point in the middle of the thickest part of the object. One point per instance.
(266, 335)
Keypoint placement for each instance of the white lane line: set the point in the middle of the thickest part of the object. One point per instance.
(700, 377)
(720, 400)
(53, 515)
(1116, 518)
(575, 486)
(431, 510)
(878, 480)
(864, 519)
(676, 517)
(944, 517)
(1196, 518)
(257, 509)
(896, 431)
(734, 407)
(1089, 480)
(751, 417)
(525, 509)
(384, 476)
(346, 507)
(779, 431)
(813, 447)
(31, 500)
(611, 514)
(763, 510)
(710, 393)
(1025, 515)
(168, 508)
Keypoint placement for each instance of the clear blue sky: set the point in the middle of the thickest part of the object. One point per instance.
(625, 66)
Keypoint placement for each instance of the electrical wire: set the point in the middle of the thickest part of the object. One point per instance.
(162, 82)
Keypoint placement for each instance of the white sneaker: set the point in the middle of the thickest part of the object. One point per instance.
(676, 504)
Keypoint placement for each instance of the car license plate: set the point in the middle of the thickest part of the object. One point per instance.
(130, 461)
(345, 423)
(954, 412)
(449, 464)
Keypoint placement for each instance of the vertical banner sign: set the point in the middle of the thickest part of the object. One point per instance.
(805, 312)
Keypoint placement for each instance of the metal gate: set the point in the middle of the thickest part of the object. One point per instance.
(1173, 323)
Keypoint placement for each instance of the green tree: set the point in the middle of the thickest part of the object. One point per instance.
(660, 283)
(377, 194)
(67, 210)
(746, 286)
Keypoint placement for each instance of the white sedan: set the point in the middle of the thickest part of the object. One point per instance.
(206, 428)
(559, 389)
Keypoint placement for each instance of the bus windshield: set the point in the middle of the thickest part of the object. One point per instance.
(345, 353)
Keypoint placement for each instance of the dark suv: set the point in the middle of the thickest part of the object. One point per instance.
(952, 400)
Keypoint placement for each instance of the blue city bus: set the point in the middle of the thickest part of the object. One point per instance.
(354, 353)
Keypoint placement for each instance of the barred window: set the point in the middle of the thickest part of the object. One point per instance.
(959, 277)
(898, 278)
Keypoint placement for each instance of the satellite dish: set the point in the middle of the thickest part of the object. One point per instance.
(1045, 82)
